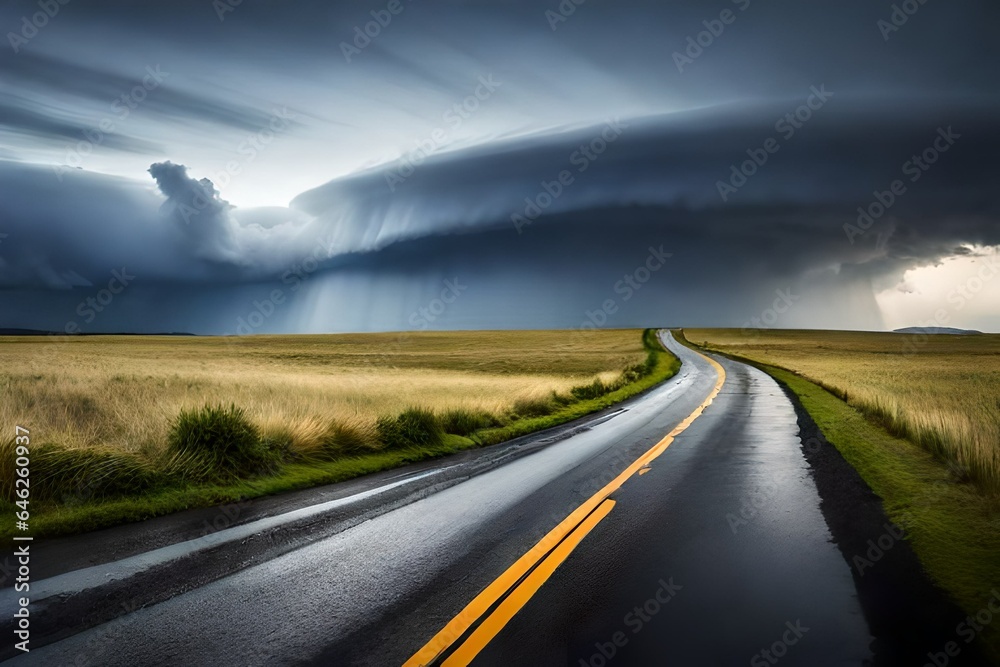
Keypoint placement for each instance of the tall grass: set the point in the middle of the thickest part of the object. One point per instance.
(74, 476)
(219, 443)
(122, 392)
(465, 422)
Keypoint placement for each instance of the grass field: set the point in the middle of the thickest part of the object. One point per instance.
(941, 392)
(123, 391)
(126, 427)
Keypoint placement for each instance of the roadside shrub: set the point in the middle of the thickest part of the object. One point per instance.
(346, 438)
(413, 427)
(593, 390)
(533, 407)
(561, 400)
(465, 422)
(281, 443)
(635, 373)
(73, 476)
(295, 439)
(219, 443)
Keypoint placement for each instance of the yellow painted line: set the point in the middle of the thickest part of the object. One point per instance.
(473, 611)
(519, 597)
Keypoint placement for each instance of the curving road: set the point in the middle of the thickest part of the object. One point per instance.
(613, 543)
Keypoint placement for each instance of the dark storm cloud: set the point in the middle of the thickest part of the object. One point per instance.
(84, 225)
(392, 233)
(807, 190)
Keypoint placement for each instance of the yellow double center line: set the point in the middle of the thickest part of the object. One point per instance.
(522, 579)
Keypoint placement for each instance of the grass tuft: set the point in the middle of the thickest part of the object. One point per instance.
(412, 427)
(595, 389)
(218, 443)
(73, 476)
(467, 422)
(537, 406)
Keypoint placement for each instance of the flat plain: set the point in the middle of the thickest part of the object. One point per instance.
(121, 392)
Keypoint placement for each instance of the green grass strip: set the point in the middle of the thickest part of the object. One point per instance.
(664, 366)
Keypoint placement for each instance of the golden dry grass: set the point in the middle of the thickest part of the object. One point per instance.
(122, 392)
(941, 391)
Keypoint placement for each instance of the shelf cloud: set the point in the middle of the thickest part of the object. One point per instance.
(537, 161)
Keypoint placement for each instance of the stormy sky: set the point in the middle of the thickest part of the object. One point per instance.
(253, 167)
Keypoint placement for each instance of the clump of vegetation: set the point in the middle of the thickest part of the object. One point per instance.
(412, 427)
(74, 476)
(218, 443)
(466, 422)
(636, 372)
(353, 437)
(595, 389)
(538, 406)
(313, 438)
(561, 400)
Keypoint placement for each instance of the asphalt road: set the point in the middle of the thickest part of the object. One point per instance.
(715, 553)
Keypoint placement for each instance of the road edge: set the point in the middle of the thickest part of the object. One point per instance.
(901, 602)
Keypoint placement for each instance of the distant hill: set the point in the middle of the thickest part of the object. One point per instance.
(937, 330)
(40, 332)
